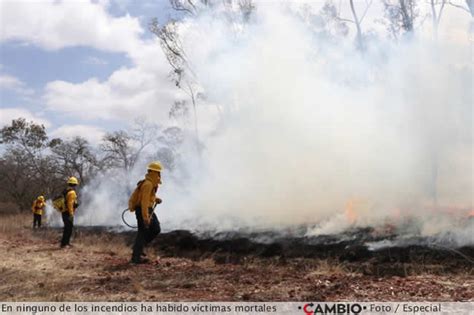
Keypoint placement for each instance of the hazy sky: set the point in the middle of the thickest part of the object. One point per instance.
(81, 67)
(85, 67)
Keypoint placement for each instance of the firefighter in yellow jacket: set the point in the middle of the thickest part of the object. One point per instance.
(70, 202)
(38, 209)
(142, 201)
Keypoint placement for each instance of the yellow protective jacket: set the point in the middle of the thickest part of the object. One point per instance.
(144, 195)
(38, 207)
(71, 201)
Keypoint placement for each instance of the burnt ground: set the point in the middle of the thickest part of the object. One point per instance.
(229, 267)
(349, 248)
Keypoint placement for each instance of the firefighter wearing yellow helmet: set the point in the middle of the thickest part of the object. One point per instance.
(142, 201)
(38, 208)
(71, 204)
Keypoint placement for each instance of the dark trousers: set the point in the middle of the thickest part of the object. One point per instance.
(67, 231)
(36, 220)
(144, 235)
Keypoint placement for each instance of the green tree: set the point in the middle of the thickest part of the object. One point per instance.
(26, 169)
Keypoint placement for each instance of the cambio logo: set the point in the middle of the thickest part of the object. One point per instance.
(334, 308)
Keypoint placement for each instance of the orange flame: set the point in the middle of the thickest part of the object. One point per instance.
(350, 213)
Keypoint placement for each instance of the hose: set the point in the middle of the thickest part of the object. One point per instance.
(131, 226)
(124, 221)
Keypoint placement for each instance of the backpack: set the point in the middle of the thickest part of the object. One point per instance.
(59, 202)
(132, 201)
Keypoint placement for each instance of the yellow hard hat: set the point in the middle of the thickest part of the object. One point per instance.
(72, 180)
(41, 198)
(155, 166)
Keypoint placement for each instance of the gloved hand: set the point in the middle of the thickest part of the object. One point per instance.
(158, 200)
(71, 218)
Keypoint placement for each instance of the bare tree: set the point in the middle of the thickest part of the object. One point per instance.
(118, 150)
(330, 21)
(331, 25)
(408, 15)
(401, 16)
(123, 149)
(75, 157)
(436, 14)
(170, 142)
(194, 7)
(469, 8)
(358, 22)
(182, 73)
(191, 7)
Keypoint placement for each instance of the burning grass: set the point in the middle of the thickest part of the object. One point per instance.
(97, 269)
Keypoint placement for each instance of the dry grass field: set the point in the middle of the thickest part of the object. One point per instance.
(34, 268)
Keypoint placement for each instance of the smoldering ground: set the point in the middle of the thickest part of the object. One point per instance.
(301, 130)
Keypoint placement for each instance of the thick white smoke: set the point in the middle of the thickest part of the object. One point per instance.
(319, 134)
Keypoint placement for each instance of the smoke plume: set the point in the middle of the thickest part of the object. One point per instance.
(302, 131)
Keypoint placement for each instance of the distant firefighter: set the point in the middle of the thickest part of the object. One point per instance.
(38, 208)
(67, 212)
(143, 201)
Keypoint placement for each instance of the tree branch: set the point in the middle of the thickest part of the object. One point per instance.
(459, 7)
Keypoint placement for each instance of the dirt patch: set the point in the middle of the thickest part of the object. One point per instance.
(33, 268)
